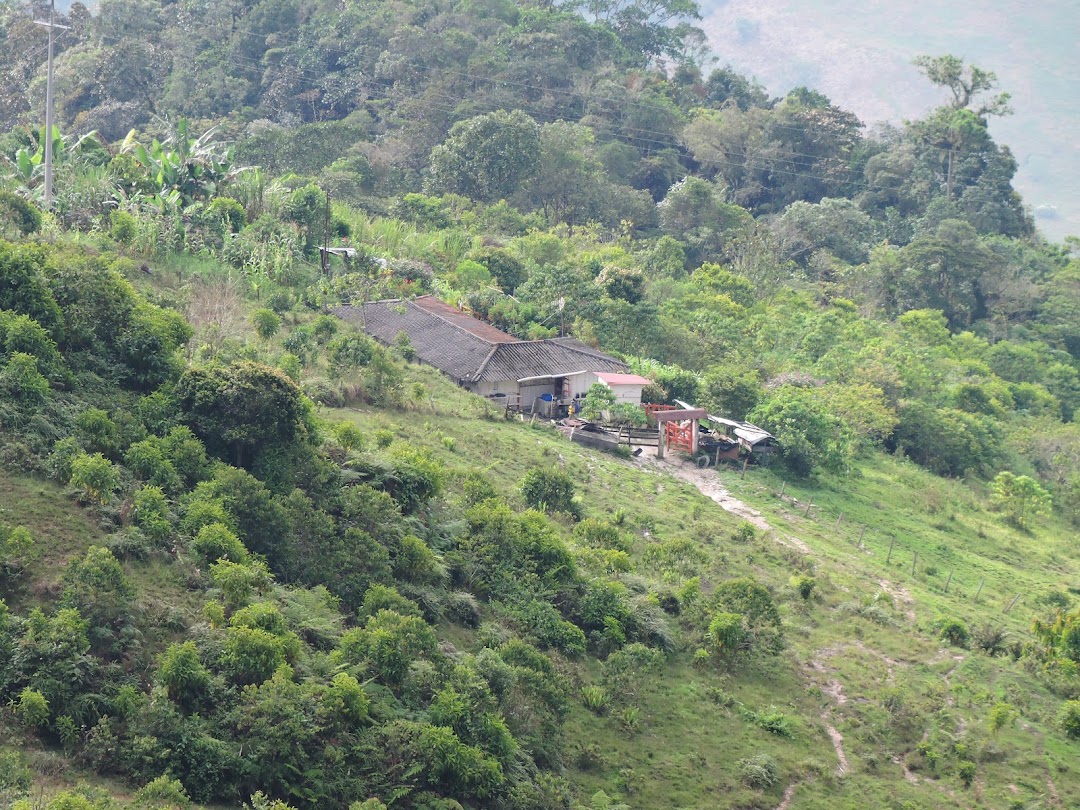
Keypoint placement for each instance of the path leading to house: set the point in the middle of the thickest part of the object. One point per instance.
(708, 484)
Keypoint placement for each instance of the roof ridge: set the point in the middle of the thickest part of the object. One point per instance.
(447, 321)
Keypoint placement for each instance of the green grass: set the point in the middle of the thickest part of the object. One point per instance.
(685, 753)
(694, 724)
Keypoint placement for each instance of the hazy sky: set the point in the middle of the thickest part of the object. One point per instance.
(859, 52)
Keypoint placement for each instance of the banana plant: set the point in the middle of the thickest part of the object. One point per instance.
(30, 165)
(193, 167)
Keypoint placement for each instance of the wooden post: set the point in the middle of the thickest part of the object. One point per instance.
(947, 582)
(744, 463)
(661, 439)
(809, 506)
(693, 437)
(838, 519)
(783, 486)
(1013, 602)
(983, 582)
(861, 535)
(889, 558)
(914, 562)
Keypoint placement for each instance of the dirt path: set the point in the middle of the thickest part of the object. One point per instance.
(902, 596)
(789, 794)
(708, 484)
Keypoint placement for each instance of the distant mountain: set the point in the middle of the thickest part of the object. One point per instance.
(859, 53)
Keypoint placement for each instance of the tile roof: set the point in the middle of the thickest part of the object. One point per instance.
(468, 349)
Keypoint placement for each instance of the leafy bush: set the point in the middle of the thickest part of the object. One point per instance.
(759, 771)
(549, 490)
(1068, 719)
(954, 632)
(32, 708)
(266, 323)
(96, 476)
(215, 541)
(803, 584)
(595, 699)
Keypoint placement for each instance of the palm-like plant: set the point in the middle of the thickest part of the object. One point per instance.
(193, 167)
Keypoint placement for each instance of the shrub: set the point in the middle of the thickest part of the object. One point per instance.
(182, 674)
(32, 708)
(95, 476)
(728, 632)
(549, 490)
(252, 654)
(803, 584)
(162, 794)
(1068, 719)
(21, 381)
(955, 632)
(1000, 716)
(595, 699)
(266, 323)
(462, 608)
(759, 771)
(216, 541)
(966, 770)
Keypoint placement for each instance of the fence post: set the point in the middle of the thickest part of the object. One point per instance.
(949, 580)
(1013, 602)
(838, 519)
(914, 563)
(888, 559)
(783, 486)
(981, 583)
(861, 535)
(746, 461)
(809, 506)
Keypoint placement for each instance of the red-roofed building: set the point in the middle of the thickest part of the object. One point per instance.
(626, 387)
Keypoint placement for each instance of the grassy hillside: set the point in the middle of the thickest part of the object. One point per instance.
(864, 663)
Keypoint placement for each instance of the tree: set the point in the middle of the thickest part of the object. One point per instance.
(183, 675)
(488, 157)
(96, 476)
(266, 323)
(243, 408)
(551, 490)
(966, 83)
(1019, 498)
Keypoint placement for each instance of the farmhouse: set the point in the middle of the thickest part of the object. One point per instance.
(533, 375)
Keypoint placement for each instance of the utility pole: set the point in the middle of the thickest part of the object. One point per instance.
(52, 26)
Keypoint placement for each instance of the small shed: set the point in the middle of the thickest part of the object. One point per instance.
(626, 387)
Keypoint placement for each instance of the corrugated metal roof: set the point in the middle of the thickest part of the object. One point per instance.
(535, 358)
(453, 350)
(468, 349)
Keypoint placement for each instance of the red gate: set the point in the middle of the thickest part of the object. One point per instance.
(678, 437)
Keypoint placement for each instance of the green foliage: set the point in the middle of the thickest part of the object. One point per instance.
(732, 391)
(1019, 498)
(1068, 719)
(728, 633)
(598, 399)
(183, 675)
(955, 632)
(32, 708)
(17, 216)
(487, 157)
(803, 584)
(241, 408)
(549, 490)
(22, 382)
(266, 323)
(759, 771)
(810, 435)
(215, 541)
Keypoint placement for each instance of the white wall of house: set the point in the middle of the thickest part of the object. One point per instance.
(626, 393)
